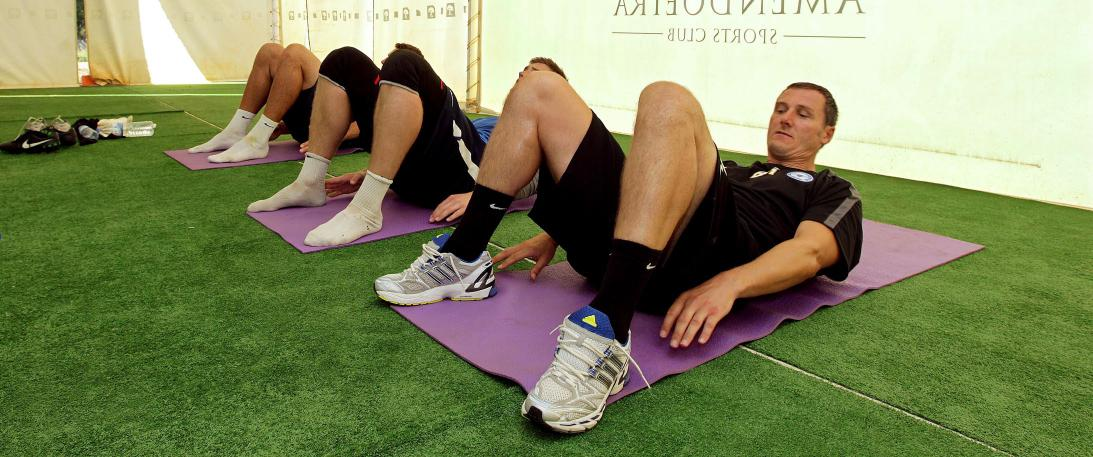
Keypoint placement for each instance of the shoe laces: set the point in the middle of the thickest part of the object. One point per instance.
(36, 124)
(575, 376)
(59, 124)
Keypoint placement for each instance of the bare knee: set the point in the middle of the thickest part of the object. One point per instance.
(667, 103)
(536, 87)
(269, 52)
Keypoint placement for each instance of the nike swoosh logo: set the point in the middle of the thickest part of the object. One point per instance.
(496, 207)
(28, 145)
(650, 266)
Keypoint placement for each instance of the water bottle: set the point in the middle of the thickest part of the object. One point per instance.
(88, 132)
(141, 128)
(115, 127)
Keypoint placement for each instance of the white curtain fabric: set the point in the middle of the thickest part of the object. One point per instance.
(439, 29)
(39, 44)
(115, 48)
(977, 94)
(331, 24)
(221, 36)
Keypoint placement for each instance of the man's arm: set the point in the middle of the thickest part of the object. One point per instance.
(787, 264)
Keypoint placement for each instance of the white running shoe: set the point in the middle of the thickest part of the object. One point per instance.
(589, 366)
(437, 275)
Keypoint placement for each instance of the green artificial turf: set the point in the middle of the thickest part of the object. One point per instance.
(142, 312)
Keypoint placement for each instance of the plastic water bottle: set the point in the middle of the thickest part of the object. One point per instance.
(141, 128)
(88, 132)
(115, 127)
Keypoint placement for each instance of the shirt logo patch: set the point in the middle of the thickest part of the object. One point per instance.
(800, 176)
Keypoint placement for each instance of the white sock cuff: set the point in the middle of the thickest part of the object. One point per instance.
(267, 122)
(314, 170)
(379, 178)
(243, 114)
(316, 157)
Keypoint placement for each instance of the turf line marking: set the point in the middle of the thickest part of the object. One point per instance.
(117, 95)
(498, 246)
(872, 399)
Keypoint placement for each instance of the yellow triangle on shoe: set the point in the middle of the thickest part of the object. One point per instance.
(590, 320)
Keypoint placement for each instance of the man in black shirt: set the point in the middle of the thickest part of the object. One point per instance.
(675, 230)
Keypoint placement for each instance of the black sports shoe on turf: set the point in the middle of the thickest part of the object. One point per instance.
(34, 139)
(65, 132)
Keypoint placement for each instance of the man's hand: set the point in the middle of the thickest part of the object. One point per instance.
(540, 248)
(700, 308)
(304, 147)
(451, 208)
(344, 184)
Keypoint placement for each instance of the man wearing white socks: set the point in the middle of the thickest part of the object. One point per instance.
(283, 80)
(424, 147)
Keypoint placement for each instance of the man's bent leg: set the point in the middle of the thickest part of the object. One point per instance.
(254, 97)
(295, 69)
(397, 125)
(668, 171)
(543, 120)
(330, 119)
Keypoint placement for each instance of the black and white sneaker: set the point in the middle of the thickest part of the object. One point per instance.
(65, 132)
(36, 138)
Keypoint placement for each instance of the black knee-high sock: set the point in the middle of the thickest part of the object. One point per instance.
(628, 270)
(483, 215)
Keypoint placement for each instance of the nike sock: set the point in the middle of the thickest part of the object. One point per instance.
(306, 190)
(231, 134)
(253, 146)
(483, 215)
(628, 270)
(362, 217)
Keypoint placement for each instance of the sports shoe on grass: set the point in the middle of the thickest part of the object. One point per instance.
(65, 132)
(35, 138)
(589, 366)
(437, 275)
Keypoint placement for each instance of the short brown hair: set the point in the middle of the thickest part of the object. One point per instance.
(831, 110)
(550, 64)
(406, 47)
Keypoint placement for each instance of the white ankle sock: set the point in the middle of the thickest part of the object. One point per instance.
(360, 218)
(230, 135)
(253, 146)
(306, 190)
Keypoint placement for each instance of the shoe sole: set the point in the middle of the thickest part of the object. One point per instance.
(579, 425)
(434, 295)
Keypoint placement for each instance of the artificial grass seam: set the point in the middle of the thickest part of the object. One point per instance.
(872, 399)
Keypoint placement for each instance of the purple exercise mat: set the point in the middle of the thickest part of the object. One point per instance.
(509, 335)
(279, 151)
(399, 218)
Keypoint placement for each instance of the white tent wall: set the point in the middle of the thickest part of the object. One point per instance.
(330, 24)
(115, 48)
(439, 29)
(221, 36)
(979, 94)
(44, 54)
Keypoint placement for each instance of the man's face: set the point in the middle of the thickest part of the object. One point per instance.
(533, 67)
(796, 129)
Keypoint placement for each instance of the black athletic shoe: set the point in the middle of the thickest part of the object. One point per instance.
(65, 132)
(35, 139)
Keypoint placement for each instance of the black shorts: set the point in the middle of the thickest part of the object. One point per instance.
(435, 166)
(579, 213)
(298, 116)
(707, 246)
(579, 210)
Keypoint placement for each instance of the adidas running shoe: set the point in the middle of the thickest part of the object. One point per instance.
(35, 138)
(437, 275)
(65, 132)
(589, 366)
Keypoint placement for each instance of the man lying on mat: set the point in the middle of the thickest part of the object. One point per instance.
(423, 146)
(675, 231)
(283, 80)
